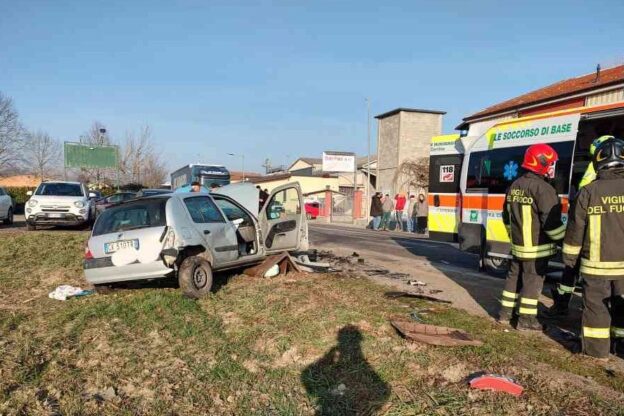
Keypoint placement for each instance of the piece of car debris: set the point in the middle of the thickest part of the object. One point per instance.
(432, 334)
(496, 383)
(355, 254)
(282, 260)
(414, 295)
(416, 283)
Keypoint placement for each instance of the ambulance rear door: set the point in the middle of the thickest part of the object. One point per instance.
(445, 162)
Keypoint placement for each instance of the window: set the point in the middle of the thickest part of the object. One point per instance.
(231, 210)
(444, 173)
(493, 171)
(285, 203)
(135, 215)
(203, 210)
(60, 189)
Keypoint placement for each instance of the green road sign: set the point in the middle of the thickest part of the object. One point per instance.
(79, 155)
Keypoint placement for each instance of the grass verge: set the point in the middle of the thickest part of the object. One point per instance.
(300, 344)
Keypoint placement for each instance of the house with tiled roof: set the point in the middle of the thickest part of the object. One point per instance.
(601, 87)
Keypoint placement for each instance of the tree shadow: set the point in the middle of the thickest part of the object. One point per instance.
(343, 382)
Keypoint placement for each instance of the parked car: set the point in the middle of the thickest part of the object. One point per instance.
(152, 192)
(7, 208)
(103, 203)
(312, 209)
(190, 235)
(59, 203)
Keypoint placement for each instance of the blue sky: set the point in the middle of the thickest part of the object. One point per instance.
(282, 79)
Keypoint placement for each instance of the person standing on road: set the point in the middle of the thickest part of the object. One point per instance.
(599, 207)
(387, 207)
(411, 214)
(422, 210)
(565, 288)
(532, 215)
(376, 210)
(399, 206)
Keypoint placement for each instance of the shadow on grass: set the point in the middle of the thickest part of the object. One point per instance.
(343, 382)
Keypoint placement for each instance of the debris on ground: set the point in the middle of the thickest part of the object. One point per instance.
(65, 292)
(495, 382)
(307, 265)
(355, 254)
(416, 283)
(569, 340)
(415, 315)
(283, 261)
(393, 295)
(432, 334)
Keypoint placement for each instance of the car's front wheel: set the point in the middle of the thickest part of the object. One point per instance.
(9, 218)
(31, 227)
(195, 277)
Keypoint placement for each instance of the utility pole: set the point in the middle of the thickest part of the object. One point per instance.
(368, 195)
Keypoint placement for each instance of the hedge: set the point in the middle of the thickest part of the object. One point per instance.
(18, 193)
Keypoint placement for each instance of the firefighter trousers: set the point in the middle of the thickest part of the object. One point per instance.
(603, 314)
(523, 286)
(565, 288)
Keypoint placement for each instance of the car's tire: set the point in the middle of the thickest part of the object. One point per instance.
(31, 227)
(195, 277)
(9, 218)
(496, 266)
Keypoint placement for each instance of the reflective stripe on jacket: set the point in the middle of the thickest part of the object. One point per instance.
(532, 211)
(596, 227)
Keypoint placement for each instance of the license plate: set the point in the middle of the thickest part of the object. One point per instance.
(120, 245)
(55, 215)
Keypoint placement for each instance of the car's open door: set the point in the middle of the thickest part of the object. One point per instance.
(282, 220)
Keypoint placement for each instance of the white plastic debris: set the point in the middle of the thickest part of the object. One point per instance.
(273, 271)
(65, 291)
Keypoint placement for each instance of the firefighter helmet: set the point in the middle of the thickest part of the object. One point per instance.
(609, 154)
(597, 142)
(539, 158)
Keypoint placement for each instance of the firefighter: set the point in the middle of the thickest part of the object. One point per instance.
(563, 293)
(532, 214)
(595, 233)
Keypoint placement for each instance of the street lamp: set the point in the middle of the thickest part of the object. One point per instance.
(242, 156)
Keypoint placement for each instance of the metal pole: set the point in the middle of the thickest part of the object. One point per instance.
(354, 187)
(368, 195)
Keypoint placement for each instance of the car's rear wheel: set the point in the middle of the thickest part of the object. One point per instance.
(9, 218)
(195, 277)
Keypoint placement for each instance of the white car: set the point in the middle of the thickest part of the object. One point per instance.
(60, 203)
(193, 234)
(6, 207)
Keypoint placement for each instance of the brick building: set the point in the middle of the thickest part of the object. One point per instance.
(403, 134)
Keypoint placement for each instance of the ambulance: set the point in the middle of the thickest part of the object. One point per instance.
(491, 162)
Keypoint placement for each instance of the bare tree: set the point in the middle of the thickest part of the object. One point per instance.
(412, 175)
(43, 152)
(140, 163)
(11, 134)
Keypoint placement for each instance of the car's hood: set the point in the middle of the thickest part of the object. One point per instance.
(56, 199)
(244, 193)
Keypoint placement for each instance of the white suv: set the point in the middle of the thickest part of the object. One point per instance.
(60, 203)
(6, 207)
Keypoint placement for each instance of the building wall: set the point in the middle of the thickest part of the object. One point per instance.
(403, 136)
(307, 183)
(388, 150)
(606, 97)
(300, 164)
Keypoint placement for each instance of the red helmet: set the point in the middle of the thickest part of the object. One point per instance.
(538, 158)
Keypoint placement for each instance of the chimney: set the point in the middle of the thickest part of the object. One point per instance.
(597, 73)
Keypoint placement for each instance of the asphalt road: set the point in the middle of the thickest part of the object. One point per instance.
(392, 242)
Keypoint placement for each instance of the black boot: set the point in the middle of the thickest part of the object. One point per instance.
(560, 307)
(528, 323)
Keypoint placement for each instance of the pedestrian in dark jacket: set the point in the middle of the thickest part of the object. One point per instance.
(376, 210)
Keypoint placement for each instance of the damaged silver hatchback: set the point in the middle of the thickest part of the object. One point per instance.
(190, 235)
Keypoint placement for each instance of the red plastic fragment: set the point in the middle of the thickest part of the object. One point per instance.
(496, 383)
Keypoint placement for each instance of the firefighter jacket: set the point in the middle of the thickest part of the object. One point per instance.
(596, 227)
(532, 214)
